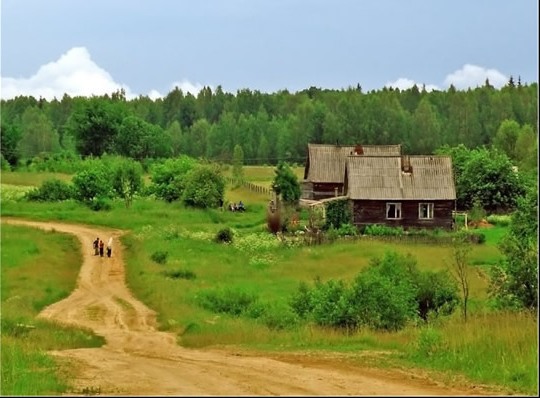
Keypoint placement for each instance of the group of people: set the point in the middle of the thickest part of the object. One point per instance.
(237, 207)
(99, 247)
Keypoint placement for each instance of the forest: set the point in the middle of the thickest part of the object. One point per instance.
(270, 127)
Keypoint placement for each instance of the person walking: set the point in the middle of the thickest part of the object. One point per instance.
(96, 247)
(109, 247)
(101, 247)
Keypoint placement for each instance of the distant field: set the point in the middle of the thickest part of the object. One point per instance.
(263, 175)
(27, 178)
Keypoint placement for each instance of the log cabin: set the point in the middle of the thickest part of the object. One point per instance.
(408, 191)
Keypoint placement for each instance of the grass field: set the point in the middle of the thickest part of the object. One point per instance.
(491, 347)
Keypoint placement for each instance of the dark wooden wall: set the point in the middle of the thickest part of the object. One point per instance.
(326, 190)
(366, 212)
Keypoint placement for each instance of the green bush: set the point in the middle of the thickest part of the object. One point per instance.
(93, 182)
(228, 301)
(386, 295)
(347, 229)
(331, 306)
(300, 301)
(168, 178)
(437, 294)
(380, 302)
(224, 235)
(204, 187)
(159, 256)
(179, 274)
(52, 190)
(383, 230)
(278, 318)
(100, 203)
(331, 234)
(337, 213)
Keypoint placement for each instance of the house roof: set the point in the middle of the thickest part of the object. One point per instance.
(382, 178)
(326, 163)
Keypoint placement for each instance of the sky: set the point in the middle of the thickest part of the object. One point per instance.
(147, 47)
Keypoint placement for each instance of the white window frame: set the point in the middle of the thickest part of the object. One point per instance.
(430, 207)
(397, 211)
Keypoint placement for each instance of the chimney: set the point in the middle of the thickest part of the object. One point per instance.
(406, 164)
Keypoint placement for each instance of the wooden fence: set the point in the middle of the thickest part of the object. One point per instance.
(252, 187)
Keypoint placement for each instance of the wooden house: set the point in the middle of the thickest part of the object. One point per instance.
(407, 191)
(324, 173)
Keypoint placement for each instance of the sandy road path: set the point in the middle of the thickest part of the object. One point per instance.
(140, 360)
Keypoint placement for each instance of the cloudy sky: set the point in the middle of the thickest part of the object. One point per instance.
(79, 47)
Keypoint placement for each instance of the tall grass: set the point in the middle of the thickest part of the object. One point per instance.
(494, 348)
(38, 269)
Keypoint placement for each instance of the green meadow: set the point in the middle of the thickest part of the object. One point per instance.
(173, 262)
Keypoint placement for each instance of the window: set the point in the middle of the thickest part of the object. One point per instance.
(393, 210)
(425, 211)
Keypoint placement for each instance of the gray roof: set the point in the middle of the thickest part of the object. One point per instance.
(382, 178)
(326, 163)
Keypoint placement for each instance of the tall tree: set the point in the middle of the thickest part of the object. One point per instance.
(38, 134)
(506, 138)
(95, 125)
(238, 164)
(514, 282)
(9, 142)
(426, 130)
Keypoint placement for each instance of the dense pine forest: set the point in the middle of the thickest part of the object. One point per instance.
(270, 127)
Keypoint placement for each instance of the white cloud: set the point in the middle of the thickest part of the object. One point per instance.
(74, 73)
(471, 76)
(154, 95)
(404, 84)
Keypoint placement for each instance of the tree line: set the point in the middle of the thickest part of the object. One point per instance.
(270, 127)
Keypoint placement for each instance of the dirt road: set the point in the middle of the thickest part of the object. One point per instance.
(140, 360)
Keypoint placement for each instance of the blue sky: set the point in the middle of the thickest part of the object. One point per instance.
(149, 46)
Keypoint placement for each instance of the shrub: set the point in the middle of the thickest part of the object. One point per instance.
(300, 301)
(224, 235)
(100, 203)
(159, 257)
(383, 230)
(179, 274)
(331, 305)
(278, 318)
(381, 303)
(347, 229)
(204, 187)
(337, 214)
(91, 183)
(52, 190)
(437, 293)
(229, 301)
(168, 178)
(331, 234)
